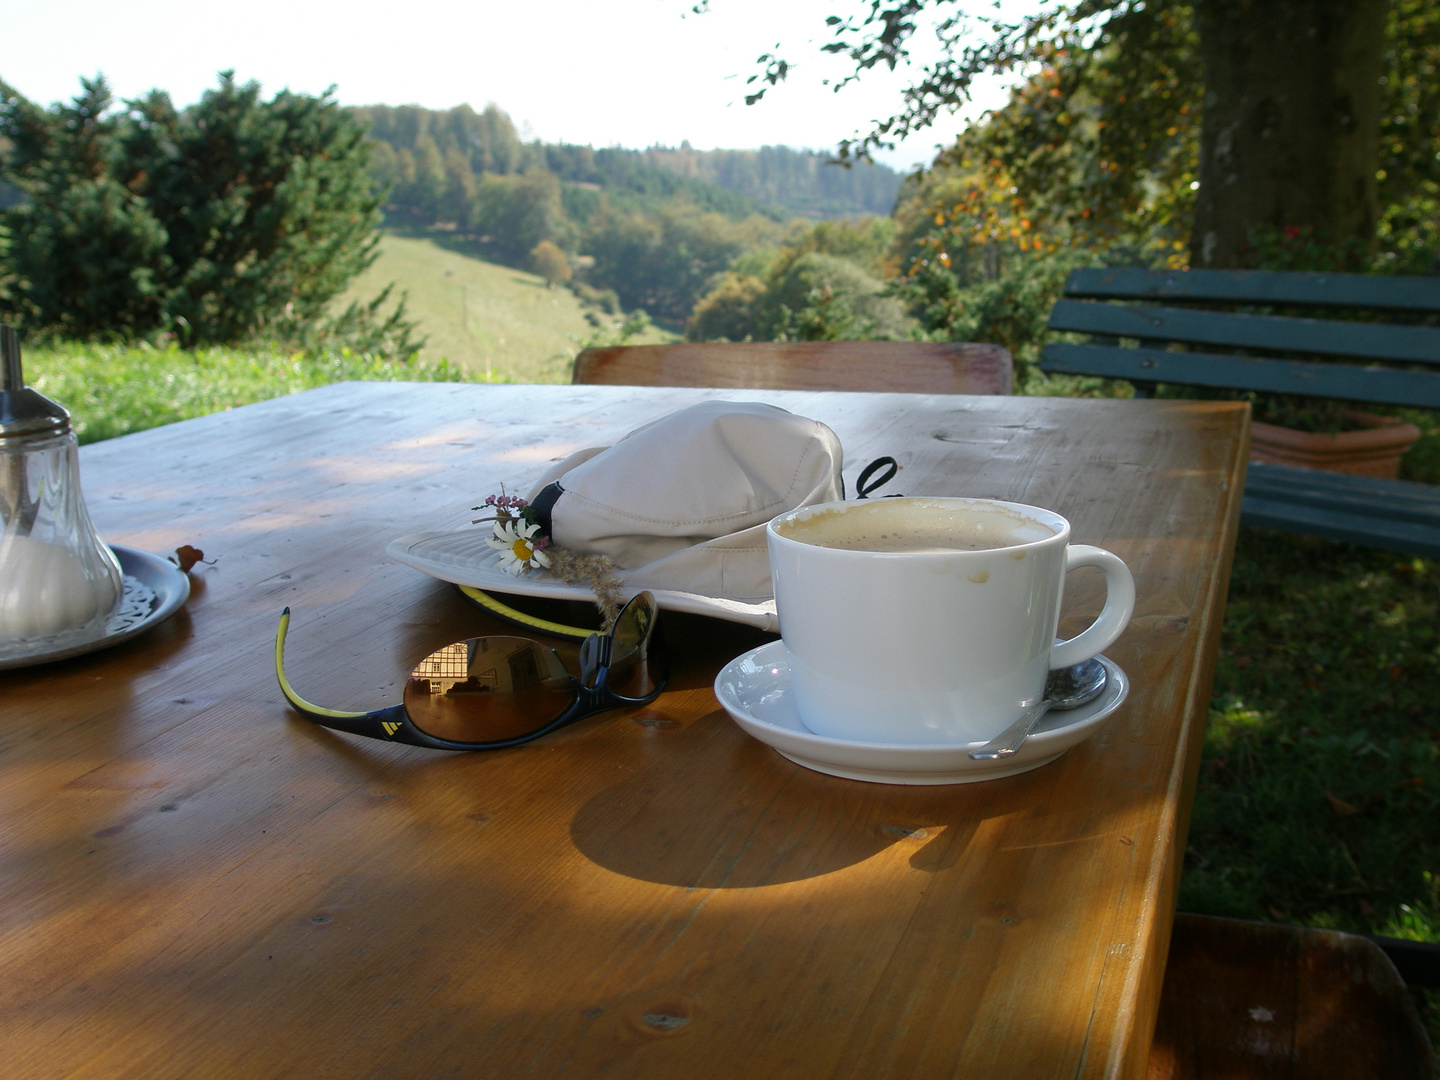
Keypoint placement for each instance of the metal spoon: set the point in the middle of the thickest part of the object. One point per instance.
(1068, 688)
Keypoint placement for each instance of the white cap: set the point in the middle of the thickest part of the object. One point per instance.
(682, 502)
(679, 505)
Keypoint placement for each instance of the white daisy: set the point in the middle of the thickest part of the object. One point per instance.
(516, 541)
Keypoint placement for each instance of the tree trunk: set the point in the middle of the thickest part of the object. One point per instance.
(1290, 134)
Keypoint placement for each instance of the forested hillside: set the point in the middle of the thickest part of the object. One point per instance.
(634, 229)
(427, 147)
(802, 183)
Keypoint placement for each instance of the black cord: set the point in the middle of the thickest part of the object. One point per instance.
(863, 483)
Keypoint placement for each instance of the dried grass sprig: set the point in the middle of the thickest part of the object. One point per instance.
(597, 572)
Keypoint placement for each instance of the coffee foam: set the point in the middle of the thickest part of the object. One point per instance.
(915, 526)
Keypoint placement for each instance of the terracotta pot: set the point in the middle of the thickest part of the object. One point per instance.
(1374, 450)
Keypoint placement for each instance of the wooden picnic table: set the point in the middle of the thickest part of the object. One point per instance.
(197, 882)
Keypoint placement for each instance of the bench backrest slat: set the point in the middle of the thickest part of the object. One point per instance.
(1377, 385)
(1277, 353)
(1259, 287)
(1324, 337)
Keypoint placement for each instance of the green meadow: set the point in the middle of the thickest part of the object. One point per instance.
(502, 324)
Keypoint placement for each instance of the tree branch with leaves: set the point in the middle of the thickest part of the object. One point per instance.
(1123, 101)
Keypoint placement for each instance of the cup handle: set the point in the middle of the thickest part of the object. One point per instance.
(1111, 622)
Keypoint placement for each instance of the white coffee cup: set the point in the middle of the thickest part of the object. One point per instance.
(929, 621)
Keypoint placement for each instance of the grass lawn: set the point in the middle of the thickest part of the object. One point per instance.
(115, 389)
(1318, 802)
(480, 316)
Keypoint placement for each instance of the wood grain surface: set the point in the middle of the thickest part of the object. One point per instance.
(199, 883)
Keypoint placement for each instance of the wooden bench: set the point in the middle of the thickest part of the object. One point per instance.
(1237, 330)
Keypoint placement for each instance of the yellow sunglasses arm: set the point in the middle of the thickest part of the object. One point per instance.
(285, 688)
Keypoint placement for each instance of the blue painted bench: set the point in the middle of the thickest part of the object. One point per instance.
(1237, 330)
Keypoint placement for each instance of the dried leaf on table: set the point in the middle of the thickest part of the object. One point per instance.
(186, 557)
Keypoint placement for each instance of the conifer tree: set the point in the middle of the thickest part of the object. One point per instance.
(233, 217)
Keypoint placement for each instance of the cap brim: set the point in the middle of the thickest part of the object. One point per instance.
(463, 558)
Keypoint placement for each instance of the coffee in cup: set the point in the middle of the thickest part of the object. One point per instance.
(929, 621)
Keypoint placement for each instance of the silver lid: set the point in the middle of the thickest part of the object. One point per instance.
(24, 412)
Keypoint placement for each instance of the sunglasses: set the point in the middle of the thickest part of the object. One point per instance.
(488, 693)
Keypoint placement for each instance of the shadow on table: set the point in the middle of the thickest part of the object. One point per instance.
(788, 823)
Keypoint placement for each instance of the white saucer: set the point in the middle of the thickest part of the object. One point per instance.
(754, 688)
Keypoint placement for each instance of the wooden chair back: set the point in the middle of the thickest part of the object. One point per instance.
(916, 367)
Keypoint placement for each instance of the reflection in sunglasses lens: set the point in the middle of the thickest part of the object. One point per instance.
(629, 675)
(488, 689)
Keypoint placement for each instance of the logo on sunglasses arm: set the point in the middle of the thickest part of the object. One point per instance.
(390, 727)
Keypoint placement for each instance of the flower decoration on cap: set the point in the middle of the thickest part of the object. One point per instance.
(524, 545)
(520, 545)
(516, 535)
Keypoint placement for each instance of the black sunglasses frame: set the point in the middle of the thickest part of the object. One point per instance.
(592, 692)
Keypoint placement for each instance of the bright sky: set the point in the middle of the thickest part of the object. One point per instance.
(630, 73)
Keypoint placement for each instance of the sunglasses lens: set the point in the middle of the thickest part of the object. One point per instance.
(630, 674)
(488, 689)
